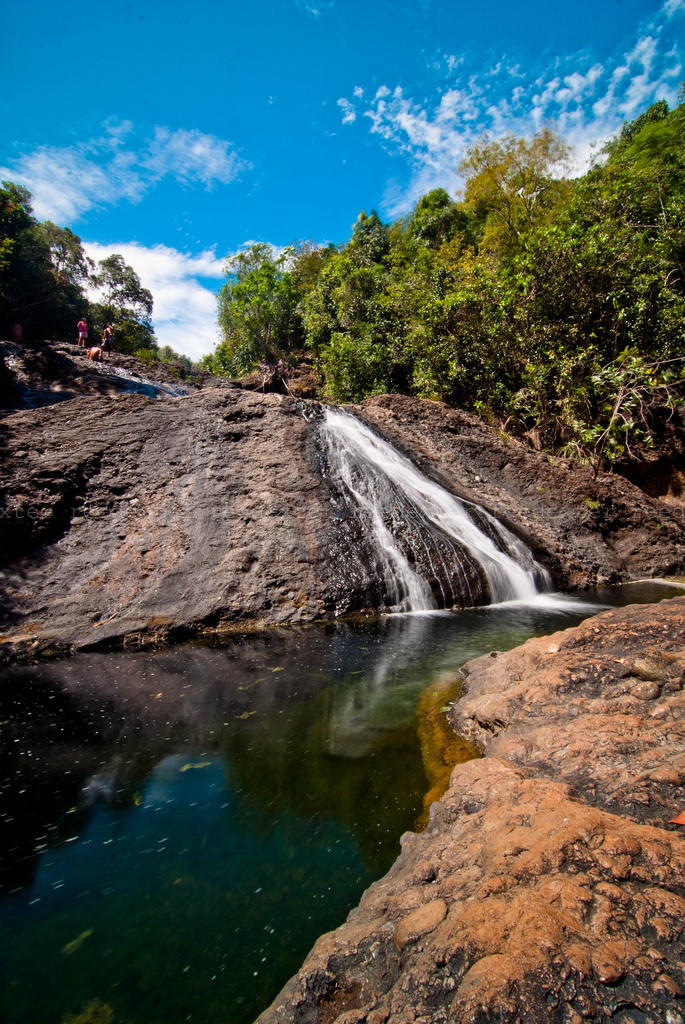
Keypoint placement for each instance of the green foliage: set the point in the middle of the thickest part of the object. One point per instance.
(436, 218)
(125, 304)
(553, 307)
(166, 354)
(354, 367)
(623, 397)
(511, 186)
(43, 273)
(258, 311)
(42, 268)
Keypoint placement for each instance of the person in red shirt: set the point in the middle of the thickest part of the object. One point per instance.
(82, 327)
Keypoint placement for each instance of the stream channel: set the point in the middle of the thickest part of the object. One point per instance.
(178, 827)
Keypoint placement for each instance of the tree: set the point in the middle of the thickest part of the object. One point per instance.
(370, 241)
(67, 256)
(435, 219)
(125, 304)
(258, 311)
(38, 288)
(15, 217)
(512, 184)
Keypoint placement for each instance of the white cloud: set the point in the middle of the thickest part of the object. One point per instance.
(584, 98)
(184, 314)
(66, 182)
(315, 10)
(191, 155)
(349, 113)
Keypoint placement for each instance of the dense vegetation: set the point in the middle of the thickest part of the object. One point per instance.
(553, 306)
(45, 278)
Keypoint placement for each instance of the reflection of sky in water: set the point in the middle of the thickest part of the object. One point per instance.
(178, 828)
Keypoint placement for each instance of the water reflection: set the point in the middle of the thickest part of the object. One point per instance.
(177, 828)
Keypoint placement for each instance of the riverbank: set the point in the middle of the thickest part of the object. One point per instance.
(549, 885)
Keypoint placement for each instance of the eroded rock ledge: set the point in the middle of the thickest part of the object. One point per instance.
(549, 885)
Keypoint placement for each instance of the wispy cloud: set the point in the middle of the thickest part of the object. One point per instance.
(315, 9)
(66, 182)
(192, 156)
(349, 113)
(584, 97)
(183, 287)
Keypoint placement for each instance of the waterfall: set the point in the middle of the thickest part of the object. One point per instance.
(428, 548)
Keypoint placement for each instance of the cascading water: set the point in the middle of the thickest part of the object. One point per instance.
(429, 549)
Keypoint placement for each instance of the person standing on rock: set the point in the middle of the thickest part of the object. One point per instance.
(82, 328)
(107, 340)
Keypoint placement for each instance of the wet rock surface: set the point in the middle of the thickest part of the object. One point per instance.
(584, 530)
(138, 507)
(549, 884)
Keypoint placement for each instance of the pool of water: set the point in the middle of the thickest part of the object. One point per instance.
(177, 828)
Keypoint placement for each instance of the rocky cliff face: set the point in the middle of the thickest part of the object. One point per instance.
(549, 885)
(132, 512)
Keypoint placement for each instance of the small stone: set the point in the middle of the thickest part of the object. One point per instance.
(647, 690)
(607, 966)
(421, 921)
(650, 668)
(665, 985)
(586, 1008)
(669, 776)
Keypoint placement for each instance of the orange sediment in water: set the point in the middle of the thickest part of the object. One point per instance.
(441, 748)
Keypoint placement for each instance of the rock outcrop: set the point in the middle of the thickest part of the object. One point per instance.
(585, 529)
(136, 507)
(549, 885)
(131, 515)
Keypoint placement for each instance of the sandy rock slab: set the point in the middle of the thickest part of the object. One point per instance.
(600, 707)
(543, 889)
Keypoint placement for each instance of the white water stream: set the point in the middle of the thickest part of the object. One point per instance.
(395, 500)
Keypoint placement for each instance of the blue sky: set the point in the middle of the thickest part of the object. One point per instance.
(176, 132)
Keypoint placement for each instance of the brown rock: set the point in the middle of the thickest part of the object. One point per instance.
(667, 776)
(139, 517)
(608, 967)
(665, 985)
(556, 895)
(420, 922)
(646, 691)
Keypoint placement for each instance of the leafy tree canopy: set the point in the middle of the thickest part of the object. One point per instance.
(258, 309)
(41, 270)
(553, 306)
(124, 303)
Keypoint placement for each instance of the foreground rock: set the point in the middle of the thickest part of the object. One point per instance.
(136, 507)
(549, 886)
